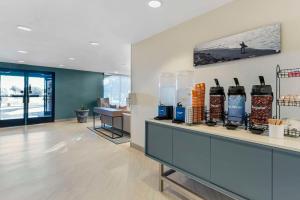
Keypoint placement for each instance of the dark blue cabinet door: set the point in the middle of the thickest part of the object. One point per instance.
(286, 176)
(159, 142)
(191, 153)
(241, 168)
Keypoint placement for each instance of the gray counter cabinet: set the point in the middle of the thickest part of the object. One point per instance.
(242, 168)
(159, 142)
(286, 175)
(191, 153)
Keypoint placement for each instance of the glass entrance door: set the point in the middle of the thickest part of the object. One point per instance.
(12, 86)
(40, 98)
(26, 97)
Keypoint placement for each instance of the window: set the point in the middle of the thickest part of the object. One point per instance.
(116, 88)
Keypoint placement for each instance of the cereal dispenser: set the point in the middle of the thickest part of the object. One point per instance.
(261, 106)
(236, 105)
(167, 88)
(184, 85)
(216, 104)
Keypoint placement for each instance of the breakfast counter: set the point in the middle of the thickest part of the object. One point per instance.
(288, 143)
(236, 163)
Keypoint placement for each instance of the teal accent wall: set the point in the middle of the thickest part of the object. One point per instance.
(73, 88)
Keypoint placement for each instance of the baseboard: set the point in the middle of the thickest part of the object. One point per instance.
(64, 120)
(70, 119)
(137, 147)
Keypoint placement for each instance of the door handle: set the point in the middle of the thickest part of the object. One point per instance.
(25, 99)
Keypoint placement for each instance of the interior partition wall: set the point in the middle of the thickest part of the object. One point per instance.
(26, 97)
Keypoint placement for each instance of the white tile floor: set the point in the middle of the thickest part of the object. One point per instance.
(66, 161)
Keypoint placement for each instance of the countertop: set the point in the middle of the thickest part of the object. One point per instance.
(291, 144)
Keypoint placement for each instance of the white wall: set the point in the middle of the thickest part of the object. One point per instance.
(172, 50)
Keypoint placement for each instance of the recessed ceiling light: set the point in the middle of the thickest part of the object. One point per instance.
(71, 58)
(94, 43)
(24, 28)
(21, 61)
(155, 4)
(23, 52)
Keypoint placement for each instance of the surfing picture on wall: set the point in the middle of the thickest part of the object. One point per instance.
(259, 42)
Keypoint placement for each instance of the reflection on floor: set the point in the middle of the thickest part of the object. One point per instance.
(66, 161)
(17, 112)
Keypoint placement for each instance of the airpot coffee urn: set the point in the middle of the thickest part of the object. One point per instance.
(261, 106)
(236, 105)
(216, 104)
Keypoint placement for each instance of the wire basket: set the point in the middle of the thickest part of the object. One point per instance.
(288, 103)
(289, 73)
(292, 133)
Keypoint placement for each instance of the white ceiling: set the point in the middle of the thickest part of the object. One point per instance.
(64, 28)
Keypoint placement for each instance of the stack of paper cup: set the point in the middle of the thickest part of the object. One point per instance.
(198, 99)
(189, 115)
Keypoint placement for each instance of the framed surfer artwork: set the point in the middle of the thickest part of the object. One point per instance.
(259, 42)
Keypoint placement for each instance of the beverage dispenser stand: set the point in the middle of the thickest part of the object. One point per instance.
(216, 115)
(244, 120)
(281, 102)
(261, 107)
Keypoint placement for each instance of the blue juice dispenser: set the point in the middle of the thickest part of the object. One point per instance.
(236, 105)
(184, 85)
(167, 89)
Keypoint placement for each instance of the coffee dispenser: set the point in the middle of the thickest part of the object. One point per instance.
(216, 104)
(261, 106)
(167, 88)
(236, 105)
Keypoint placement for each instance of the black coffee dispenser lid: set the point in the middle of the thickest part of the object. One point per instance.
(262, 89)
(237, 89)
(218, 90)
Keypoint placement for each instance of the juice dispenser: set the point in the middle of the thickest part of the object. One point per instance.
(216, 102)
(167, 88)
(261, 106)
(236, 105)
(184, 85)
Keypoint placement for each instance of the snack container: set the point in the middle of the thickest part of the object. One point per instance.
(276, 131)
